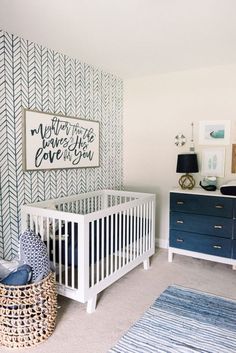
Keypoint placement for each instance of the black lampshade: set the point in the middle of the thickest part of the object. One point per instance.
(187, 163)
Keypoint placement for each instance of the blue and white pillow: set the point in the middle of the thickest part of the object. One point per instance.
(6, 267)
(19, 277)
(34, 253)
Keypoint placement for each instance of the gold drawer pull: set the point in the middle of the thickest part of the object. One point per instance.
(218, 227)
(179, 221)
(180, 202)
(219, 206)
(217, 246)
(179, 240)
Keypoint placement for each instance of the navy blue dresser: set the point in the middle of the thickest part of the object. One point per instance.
(203, 225)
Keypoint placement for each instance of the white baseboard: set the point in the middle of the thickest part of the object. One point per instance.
(162, 243)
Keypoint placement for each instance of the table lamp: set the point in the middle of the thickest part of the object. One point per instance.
(187, 163)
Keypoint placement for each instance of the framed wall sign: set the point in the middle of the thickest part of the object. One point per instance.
(52, 141)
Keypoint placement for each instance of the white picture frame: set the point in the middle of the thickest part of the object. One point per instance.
(213, 161)
(53, 141)
(214, 132)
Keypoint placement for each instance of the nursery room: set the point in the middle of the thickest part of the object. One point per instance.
(118, 176)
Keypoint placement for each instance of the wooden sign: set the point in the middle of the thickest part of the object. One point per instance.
(52, 141)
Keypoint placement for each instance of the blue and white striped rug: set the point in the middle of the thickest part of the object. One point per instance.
(183, 320)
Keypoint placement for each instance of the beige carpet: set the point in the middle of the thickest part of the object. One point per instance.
(124, 302)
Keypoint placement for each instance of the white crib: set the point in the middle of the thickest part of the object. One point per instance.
(95, 238)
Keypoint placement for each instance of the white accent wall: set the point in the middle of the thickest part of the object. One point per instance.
(156, 108)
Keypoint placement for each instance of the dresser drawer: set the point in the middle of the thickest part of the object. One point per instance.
(234, 229)
(201, 243)
(208, 205)
(234, 249)
(210, 225)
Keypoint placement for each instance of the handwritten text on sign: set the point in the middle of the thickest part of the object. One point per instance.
(58, 142)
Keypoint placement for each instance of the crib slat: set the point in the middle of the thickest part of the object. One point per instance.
(31, 222)
(76, 235)
(95, 203)
(36, 224)
(107, 246)
(60, 251)
(141, 230)
(146, 227)
(131, 233)
(127, 236)
(41, 228)
(72, 253)
(151, 222)
(135, 235)
(98, 248)
(111, 245)
(48, 235)
(66, 253)
(92, 253)
(138, 230)
(149, 225)
(88, 208)
(152, 237)
(120, 236)
(102, 257)
(116, 239)
(124, 238)
(54, 242)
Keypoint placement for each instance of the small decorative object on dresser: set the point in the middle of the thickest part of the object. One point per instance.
(229, 188)
(208, 183)
(202, 225)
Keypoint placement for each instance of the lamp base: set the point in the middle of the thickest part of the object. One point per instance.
(186, 181)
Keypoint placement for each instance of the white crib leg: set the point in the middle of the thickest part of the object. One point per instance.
(146, 264)
(91, 305)
(234, 267)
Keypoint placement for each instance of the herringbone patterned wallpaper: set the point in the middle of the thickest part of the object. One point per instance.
(35, 77)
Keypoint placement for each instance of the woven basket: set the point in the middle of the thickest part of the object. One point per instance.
(27, 313)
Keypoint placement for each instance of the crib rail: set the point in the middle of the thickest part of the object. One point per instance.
(95, 238)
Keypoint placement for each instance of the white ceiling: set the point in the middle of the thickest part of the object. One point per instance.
(129, 38)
